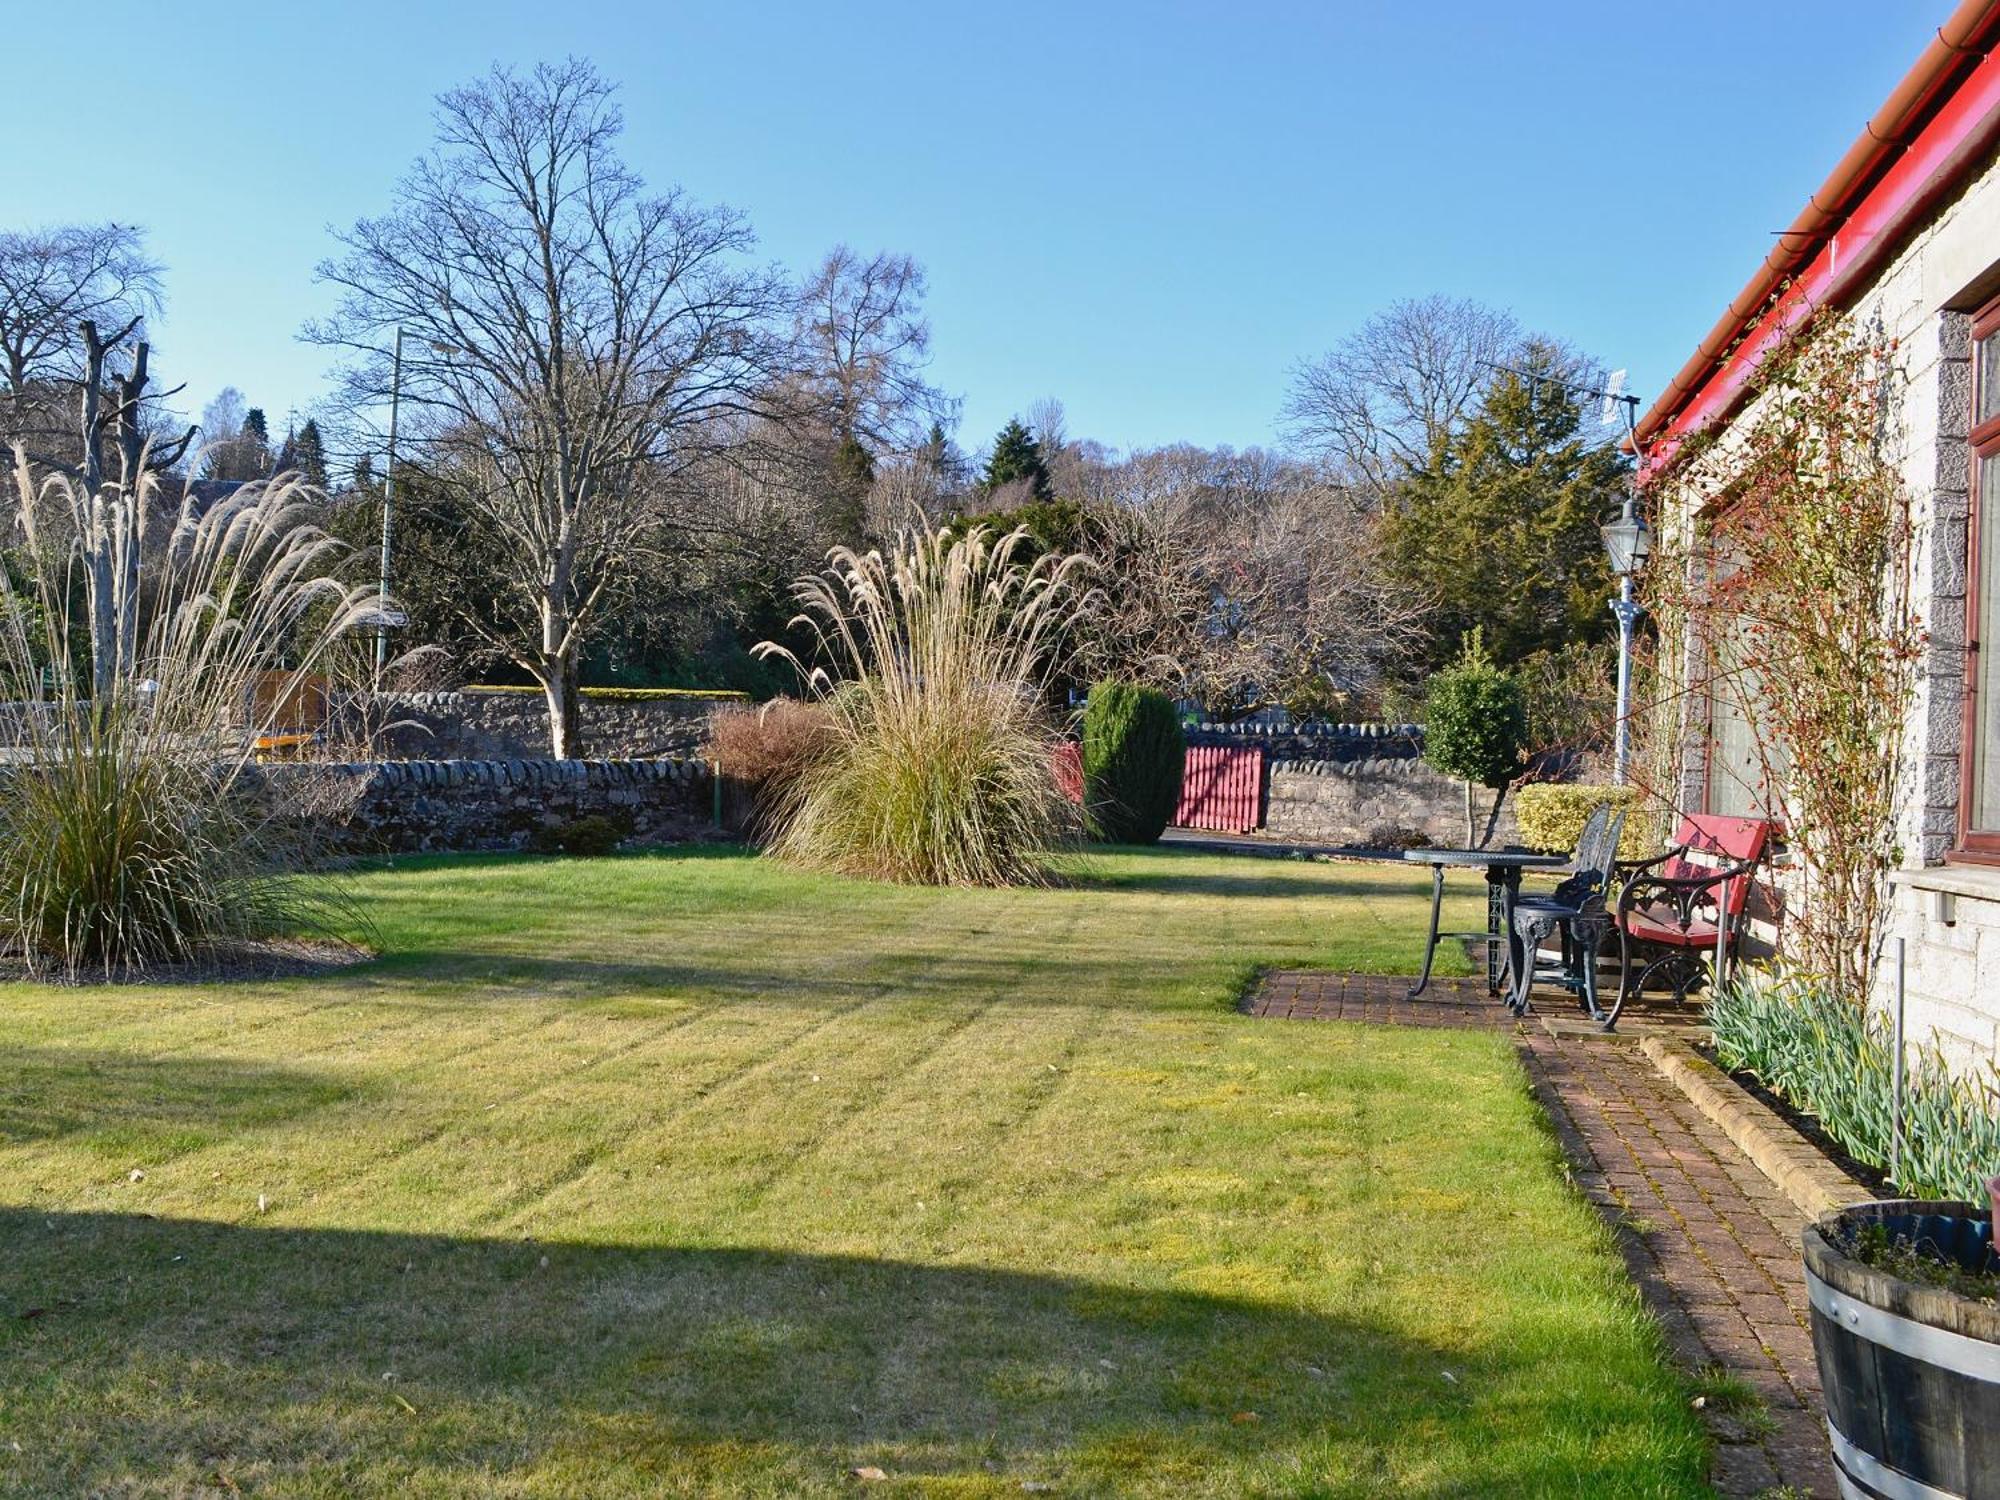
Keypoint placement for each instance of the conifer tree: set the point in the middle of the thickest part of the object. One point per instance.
(1500, 527)
(1017, 456)
(309, 455)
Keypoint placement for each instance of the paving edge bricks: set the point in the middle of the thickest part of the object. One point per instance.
(1799, 1169)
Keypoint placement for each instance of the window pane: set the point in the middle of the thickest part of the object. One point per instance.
(1984, 780)
(1746, 768)
(1740, 769)
(1989, 379)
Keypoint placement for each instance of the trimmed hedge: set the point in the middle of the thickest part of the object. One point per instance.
(1551, 817)
(618, 694)
(1133, 754)
(1832, 1059)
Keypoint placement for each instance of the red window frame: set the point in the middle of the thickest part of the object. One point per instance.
(1976, 845)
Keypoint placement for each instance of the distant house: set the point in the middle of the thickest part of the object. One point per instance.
(1905, 232)
(206, 492)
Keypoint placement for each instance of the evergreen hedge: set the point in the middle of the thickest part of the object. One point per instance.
(1133, 750)
(1551, 815)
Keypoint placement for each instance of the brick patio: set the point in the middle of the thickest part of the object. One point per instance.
(1709, 1241)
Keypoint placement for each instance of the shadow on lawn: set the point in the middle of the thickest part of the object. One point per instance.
(160, 1354)
(147, 1108)
(1259, 878)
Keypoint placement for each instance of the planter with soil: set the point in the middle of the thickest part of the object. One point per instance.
(1906, 1323)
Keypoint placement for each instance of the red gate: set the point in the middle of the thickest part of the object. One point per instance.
(1222, 788)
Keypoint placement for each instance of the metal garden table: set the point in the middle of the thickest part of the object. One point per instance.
(1503, 869)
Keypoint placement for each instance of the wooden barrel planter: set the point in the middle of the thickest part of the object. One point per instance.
(1911, 1371)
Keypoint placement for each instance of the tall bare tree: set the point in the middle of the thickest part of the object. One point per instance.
(1377, 404)
(52, 281)
(864, 343)
(572, 343)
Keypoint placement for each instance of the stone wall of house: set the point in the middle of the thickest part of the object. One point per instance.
(410, 806)
(481, 724)
(1374, 801)
(1952, 991)
(1948, 915)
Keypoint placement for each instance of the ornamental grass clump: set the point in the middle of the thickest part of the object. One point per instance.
(939, 762)
(134, 647)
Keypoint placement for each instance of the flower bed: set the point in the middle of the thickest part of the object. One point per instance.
(1834, 1060)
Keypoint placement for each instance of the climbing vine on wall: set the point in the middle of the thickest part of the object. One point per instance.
(1794, 575)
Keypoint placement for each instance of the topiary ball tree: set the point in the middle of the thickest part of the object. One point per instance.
(1475, 725)
(1132, 753)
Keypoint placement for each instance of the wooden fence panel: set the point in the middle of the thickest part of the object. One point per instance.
(1222, 788)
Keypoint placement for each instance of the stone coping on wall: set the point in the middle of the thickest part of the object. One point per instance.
(1362, 731)
(450, 773)
(1302, 766)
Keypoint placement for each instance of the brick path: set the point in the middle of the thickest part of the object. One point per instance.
(1711, 1243)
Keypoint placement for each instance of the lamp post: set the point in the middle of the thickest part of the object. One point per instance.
(1627, 542)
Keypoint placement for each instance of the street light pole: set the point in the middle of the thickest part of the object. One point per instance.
(388, 513)
(1628, 611)
(1627, 544)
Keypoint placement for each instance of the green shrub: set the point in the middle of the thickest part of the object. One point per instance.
(1475, 727)
(591, 836)
(1830, 1058)
(1551, 816)
(939, 763)
(1133, 750)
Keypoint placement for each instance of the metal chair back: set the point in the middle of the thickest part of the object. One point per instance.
(1596, 855)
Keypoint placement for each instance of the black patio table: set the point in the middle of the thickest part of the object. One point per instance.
(1503, 869)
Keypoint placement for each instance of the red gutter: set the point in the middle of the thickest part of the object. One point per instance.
(1941, 121)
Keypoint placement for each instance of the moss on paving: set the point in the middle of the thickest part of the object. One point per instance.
(682, 1174)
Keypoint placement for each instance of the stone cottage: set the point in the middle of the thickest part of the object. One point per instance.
(1905, 234)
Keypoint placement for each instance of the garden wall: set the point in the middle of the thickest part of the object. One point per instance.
(1373, 800)
(483, 724)
(409, 806)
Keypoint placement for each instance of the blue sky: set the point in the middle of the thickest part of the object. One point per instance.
(1149, 211)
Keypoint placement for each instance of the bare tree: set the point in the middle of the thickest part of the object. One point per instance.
(231, 449)
(52, 281)
(1241, 579)
(1376, 405)
(864, 344)
(572, 344)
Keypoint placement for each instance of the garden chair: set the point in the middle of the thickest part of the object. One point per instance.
(1574, 913)
(1683, 907)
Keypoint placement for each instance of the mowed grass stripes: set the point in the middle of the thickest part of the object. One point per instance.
(685, 1174)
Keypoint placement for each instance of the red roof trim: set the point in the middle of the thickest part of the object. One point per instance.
(1939, 122)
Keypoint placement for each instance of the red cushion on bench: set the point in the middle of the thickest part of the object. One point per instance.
(1665, 928)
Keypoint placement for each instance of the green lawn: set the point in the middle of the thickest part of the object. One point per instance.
(687, 1175)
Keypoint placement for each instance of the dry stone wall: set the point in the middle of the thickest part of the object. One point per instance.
(411, 806)
(1371, 801)
(478, 724)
